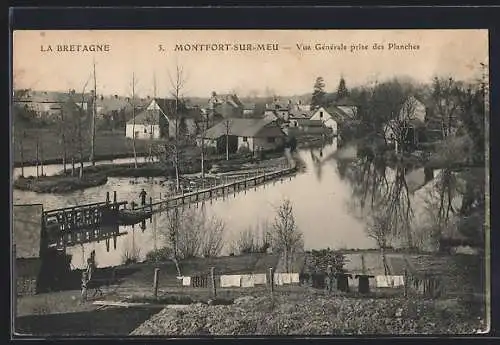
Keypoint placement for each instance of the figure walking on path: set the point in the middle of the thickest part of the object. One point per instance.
(143, 195)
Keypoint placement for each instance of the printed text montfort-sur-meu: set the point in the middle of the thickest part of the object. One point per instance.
(203, 47)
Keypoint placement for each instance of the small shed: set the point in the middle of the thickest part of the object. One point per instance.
(27, 246)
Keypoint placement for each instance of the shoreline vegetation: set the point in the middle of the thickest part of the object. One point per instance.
(98, 175)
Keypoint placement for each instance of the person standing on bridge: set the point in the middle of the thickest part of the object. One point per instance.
(143, 195)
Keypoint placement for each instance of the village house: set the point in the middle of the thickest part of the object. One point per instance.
(47, 104)
(252, 134)
(112, 105)
(225, 106)
(159, 120)
(308, 126)
(298, 114)
(331, 117)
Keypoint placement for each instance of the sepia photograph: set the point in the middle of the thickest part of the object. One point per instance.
(193, 183)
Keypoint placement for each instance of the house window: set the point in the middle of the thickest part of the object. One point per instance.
(270, 140)
(245, 139)
(321, 114)
(145, 130)
(136, 134)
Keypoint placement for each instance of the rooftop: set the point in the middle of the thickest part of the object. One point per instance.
(245, 128)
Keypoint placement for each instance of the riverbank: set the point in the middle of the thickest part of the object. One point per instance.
(191, 165)
(59, 184)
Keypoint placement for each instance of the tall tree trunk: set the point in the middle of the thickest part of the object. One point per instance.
(177, 177)
(133, 121)
(93, 119)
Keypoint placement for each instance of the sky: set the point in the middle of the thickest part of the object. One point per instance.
(287, 70)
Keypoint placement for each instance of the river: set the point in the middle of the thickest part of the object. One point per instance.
(320, 199)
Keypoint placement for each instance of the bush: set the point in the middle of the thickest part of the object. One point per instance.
(159, 255)
(130, 256)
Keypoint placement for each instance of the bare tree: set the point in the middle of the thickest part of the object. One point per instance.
(77, 115)
(191, 234)
(213, 236)
(445, 96)
(177, 83)
(227, 127)
(173, 228)
(287, 237)
(132, 101)
(400, 123)
(379, 229)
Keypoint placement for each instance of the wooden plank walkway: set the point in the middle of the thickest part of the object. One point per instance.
(213, 192)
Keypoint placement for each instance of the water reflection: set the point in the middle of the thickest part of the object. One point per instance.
(318, 196)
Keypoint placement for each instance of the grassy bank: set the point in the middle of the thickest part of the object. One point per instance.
(59, 184)
(108, 144)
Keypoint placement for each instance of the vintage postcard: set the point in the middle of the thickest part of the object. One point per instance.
(250, 182)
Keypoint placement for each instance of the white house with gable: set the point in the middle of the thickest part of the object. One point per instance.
(327, 118)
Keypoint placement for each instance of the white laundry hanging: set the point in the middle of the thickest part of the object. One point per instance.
(186, 281)
(230, 281)
(247, 280)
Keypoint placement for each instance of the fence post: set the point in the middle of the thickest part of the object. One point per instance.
(155, 282)
(271, 280)
(212, 278)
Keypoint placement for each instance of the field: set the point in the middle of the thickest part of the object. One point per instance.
(108, 144)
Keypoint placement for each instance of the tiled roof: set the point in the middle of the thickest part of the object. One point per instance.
(338, 114)
(27, 230)
(245, 128)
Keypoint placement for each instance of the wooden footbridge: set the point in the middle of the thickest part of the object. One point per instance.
(81, 224)
(219, 191)
(100, 221)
